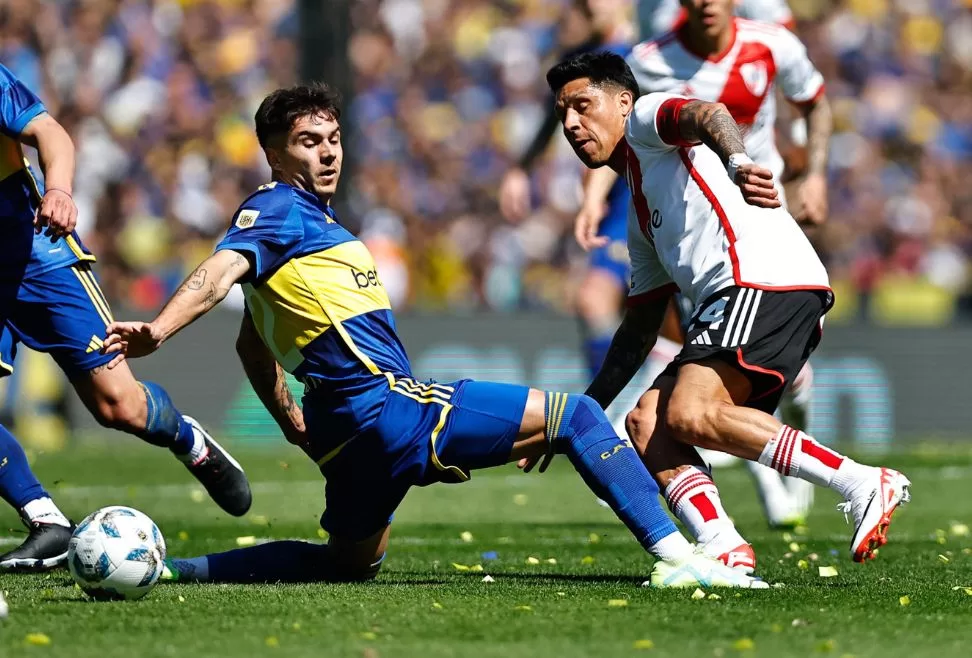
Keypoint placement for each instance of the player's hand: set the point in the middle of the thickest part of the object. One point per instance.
(514, 195)
(130, 340)
(756, 184)
(587, 223)
(57, 212)
(813, 200)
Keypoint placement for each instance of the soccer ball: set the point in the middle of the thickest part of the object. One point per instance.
(116, 553)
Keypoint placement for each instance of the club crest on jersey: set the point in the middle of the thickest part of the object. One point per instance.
(247, 218)
(755, 77)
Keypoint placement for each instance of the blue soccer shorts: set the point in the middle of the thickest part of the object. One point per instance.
(613, 257)
(61, 312)
(426, 432)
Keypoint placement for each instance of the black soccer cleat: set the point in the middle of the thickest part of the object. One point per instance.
(45, 548)
(221, 475)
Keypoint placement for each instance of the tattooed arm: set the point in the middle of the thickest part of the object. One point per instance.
(269, 383)
(630, 347)
(205, 287)
(813, 191)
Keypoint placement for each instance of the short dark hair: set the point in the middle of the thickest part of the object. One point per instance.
(601, 67)
(279, 110)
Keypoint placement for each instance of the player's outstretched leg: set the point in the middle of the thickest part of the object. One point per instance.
(49, 530)
(144, 409)
(795, 409)
(701, 412)
(577, 426)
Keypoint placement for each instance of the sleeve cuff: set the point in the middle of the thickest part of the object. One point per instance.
(813, 99)
(663, 292)
(246, 249)
(25, 117)
(666, 122)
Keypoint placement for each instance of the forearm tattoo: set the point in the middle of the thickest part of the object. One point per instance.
(711, 124)
(819, 129)
(627, 353)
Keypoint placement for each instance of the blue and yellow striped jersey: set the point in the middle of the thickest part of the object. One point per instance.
(318, 303)
(22, 251)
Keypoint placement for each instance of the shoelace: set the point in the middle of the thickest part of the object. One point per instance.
(845, 507)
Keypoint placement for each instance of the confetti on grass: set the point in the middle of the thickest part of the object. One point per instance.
(37, 639)
(617, 603)
(904, 600)
(248, 540)
(532, 560)
(643, 644)
(744, 644)
(698, 594)
(827, 572)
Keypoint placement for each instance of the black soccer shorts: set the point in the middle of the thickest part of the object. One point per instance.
(768, 335)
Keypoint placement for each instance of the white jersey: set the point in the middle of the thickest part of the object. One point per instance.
(689, 227)
(656, 17)
(743, 77)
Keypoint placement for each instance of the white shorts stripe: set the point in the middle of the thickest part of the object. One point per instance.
(732, 318)
(752, 317)
(737, 330)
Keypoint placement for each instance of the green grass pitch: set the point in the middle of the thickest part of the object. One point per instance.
(566, 575)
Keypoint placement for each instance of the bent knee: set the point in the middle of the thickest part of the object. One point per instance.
(640, 424)
(120, 411)
(695, 423)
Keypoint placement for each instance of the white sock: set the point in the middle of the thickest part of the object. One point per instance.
(773, 493)
(660, 356)
(198, 450)
(791, 452)
(672, 547)
(43, 510)
(694, 499)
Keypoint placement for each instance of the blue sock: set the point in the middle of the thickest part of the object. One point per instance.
(610, 466)
(165, 426)
(18, 486)
(595, 349)
(274, 562)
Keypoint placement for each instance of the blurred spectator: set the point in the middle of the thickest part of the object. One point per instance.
(159, 95)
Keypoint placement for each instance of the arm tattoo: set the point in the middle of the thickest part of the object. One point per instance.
(711, 124)
(211, 298)
(197, 279)
(819, 129)
(627, 353)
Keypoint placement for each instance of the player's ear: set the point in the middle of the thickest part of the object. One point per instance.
(273, 158)
(626, 101)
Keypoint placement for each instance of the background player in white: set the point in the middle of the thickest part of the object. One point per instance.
(759, 290)
(656, 17)
(715, 57)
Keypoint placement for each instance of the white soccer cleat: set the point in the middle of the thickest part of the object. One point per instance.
(700, 570)
(872, 507)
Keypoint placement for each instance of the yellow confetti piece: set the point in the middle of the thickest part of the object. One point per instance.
(617, 603)
(476, 567)
(523, 608)
(714, 597)
(943, 558)
(532, 560)
(795, 547)
(904, 600)
(295, 626)
(698, 594)
(321, 533)
(967, 551)
(460, 567)
(803, 564)
(466, 536)
(802, 530)
(551, 560)
(260, 519)
(272, 641)
(826, 646)
(369, 635)
(787, 537)
(827, 572)
(37, 639)
(643, 644)
(587, 559)
(183, 535)
(520, 499)
(248, 540)
(197, 495)
(941, 540)
(594, 538)
(959, 529)
(436, 605)
(182, 599)
(744, 644)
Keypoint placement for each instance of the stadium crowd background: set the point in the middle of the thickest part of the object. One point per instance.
(159, 96)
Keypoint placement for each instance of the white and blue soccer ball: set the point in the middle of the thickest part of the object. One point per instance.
(116, 553)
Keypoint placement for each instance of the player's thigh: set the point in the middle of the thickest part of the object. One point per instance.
(114, 394)
(63, 313)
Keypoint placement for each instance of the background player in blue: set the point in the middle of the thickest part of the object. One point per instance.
(316, 307)
(52, 303)
(597, 26)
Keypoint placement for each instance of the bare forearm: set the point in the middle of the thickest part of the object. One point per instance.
(819, 129)
(201, 291)
(711, 124)
(56, 152)
(598, 185)
(269, 382)
(630, 347)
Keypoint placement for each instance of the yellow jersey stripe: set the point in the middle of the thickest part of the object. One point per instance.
(414, 382)
(86, 271)
(6, 366)
(77, 250)
(334, 453)
(417, 398)
(560, 413)
(463, 476)
(95, 301)
(422, 390)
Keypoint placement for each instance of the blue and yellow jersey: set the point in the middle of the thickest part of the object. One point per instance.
(20, 191)
(318, 303)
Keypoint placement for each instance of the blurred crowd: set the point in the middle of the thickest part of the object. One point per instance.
(159, 96)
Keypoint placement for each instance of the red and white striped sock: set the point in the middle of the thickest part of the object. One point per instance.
(694, 499)
(793, 453)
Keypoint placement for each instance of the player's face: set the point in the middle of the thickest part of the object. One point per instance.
(312, 156)
(709, 16)
(593, 119)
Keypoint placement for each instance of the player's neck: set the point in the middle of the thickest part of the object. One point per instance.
(618, 162)
(697, 42)
(297, 184)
